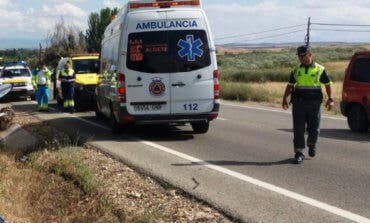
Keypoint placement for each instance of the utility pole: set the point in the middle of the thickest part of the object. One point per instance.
(307, 38)
(40, 52)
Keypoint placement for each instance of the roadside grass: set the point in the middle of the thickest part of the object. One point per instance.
(267, 65)
(66, 163)
(52, 187)
(59, 182)
(269, 93)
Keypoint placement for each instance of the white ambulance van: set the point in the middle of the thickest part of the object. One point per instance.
(158, 63)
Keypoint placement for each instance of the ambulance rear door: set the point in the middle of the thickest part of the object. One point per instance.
(190, 64)
(147, 82)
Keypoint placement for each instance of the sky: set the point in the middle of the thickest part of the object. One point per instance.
(24, 23)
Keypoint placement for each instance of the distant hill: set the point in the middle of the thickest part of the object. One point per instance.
(284, 45)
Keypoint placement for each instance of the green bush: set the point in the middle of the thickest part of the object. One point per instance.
(263, 66)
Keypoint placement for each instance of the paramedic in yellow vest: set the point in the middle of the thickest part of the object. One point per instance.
(305, 89)
(41, 82)
(67, 76)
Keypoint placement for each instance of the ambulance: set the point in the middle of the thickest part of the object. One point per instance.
(19, 75)
(86, 67)
(158, 64)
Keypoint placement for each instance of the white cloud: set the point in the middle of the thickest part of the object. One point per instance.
(226, 19)
(4, 3)
(37, 22)
(112, 4)
(64, 9)
(237, 19)
(72, 1)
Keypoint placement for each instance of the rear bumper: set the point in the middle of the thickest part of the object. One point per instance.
(85, 95)
(125, 117)
(21, 92)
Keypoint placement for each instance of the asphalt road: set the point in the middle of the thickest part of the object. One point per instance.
(243, 165)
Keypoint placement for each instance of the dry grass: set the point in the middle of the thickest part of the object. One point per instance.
(367, 47)
(269, 93)
(72, 184)
(337, 66)
(234, 50)
(35, 192)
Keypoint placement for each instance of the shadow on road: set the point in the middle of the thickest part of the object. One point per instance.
(340, 134)
(85, 131)
(238, 163)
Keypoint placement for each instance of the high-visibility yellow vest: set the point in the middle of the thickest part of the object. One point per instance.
(67, 75)
(309, 80)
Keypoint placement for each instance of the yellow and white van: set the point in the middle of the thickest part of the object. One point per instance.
(86, 67)
(159, 65)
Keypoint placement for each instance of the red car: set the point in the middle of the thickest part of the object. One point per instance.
(355, 103)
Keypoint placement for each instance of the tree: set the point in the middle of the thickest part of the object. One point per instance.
(97, 23)
(62, 42)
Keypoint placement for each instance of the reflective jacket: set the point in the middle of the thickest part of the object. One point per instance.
(41, 77)
(67, 76)
(307, 81)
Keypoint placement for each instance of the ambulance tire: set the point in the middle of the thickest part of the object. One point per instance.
(115, 126)
(98, 114)
(200, 127)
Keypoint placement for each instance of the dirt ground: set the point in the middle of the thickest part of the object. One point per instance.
(59, 182)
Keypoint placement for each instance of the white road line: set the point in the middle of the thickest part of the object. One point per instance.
(221, 119)
(267, 186)
(298, 197)
(276, 110)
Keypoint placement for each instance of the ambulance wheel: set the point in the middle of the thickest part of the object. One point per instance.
(98, 113)
(115, 126)
(200, 127)
(357, 119)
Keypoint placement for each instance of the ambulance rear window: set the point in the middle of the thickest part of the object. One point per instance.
(86, 66)
(168, 51)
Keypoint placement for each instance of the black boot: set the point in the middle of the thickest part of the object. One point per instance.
(312, 151)
(299, 157)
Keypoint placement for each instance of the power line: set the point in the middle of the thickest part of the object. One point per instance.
(335, 24)
(273, 36)
(343, 30)
(255, 33)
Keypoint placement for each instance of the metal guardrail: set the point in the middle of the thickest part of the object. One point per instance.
(5, 89)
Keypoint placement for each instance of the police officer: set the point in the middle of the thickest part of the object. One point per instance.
(67, 76)
(305, 89)
(41, 82)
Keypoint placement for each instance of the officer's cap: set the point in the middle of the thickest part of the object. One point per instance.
(303, 50)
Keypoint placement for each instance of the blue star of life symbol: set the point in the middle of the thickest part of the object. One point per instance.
(190, 48)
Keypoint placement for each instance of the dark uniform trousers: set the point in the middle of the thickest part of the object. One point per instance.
(68, 90)
(306, 115)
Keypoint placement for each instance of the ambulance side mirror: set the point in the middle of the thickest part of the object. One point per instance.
(113, 68)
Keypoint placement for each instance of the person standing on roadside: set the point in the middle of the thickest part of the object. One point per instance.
(67, 76)
(41, 82)
(306, 95)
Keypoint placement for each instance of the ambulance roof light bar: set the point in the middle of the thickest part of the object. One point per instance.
(164, 4)
(15, 63)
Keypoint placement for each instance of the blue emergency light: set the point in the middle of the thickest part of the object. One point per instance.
(13, 63)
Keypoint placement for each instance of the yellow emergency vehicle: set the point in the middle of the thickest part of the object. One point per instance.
(86, 67)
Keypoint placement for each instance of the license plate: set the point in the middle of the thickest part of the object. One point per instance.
(19, 84)
(148, 107)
